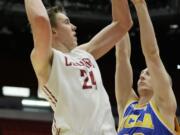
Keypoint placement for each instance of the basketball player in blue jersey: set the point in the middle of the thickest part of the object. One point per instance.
(152, 112)
(68, 74)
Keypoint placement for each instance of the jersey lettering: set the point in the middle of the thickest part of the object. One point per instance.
(89, 80)
(131, 121)
(83, 62)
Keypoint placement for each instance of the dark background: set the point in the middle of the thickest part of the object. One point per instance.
(89, 16)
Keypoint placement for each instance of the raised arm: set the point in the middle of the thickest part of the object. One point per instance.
(41, 30)
(110, 35)
(163, 93)
(123, 75)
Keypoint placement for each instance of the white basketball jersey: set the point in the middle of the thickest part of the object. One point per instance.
(77, 96)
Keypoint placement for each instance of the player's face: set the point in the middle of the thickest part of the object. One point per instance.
(65, 31)
(144, 82)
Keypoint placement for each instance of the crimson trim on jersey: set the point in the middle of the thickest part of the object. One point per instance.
(50, 95)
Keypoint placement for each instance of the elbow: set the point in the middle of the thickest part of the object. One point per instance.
(124, 27)
(129, 24)
(126, 22)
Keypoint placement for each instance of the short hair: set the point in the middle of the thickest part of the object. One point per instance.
(52, 13)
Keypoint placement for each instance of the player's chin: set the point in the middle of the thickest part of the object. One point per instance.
(73, 41)
(142, 89)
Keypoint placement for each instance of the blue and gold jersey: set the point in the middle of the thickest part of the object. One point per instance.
(145, 120)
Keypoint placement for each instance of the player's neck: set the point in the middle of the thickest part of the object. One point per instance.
(144, 100)
(61, 47)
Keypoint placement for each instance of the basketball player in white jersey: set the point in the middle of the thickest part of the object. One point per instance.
(68, 74)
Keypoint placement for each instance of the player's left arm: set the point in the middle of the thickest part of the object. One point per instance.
(102, 42)
(163, 93)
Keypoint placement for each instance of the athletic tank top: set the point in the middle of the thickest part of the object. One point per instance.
(144, 120)
(77, 96)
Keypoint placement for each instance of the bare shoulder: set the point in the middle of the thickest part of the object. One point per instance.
(83, 46)
(165, 112)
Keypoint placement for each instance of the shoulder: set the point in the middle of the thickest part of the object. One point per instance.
(82, 52)
(130, 104)
(166, 119)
